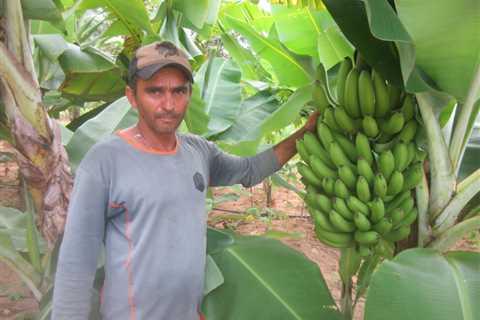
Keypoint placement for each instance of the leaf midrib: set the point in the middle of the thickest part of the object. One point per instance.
(260, 279)
(465, 303)
(271, 47)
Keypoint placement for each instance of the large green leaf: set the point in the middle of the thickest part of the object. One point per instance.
(287, 69)
(118, 115)
(446, 38)
(423, 284)
(244, 58)
(249, 13)
(14, 223)
(90, 76)
(351, 17)
(313, 33)
(265, 279)
(196, 12)
(132, 14)
(260, 115)
(196, 119)
(38, 10)
(219, 80)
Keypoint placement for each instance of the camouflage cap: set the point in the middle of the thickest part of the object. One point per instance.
(151, 58)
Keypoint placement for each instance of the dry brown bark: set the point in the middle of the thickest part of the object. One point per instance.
(36, 138)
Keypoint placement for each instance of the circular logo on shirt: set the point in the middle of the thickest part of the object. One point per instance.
(199, 181)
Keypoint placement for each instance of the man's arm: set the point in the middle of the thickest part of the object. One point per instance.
(83, 236)
(226, 169)
(286, 149)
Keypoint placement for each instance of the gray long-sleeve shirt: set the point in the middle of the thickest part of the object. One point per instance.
(148, 209)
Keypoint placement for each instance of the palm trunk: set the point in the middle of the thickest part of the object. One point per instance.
(36, 138)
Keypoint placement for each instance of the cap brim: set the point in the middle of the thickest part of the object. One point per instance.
(147, 72)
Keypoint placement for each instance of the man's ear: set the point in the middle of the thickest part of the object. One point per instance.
(130, 94)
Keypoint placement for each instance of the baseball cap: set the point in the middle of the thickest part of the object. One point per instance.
(151, 58)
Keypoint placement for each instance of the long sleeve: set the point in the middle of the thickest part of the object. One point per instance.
(83, 236)
(226, 169)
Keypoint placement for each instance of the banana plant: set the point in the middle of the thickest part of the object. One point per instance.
(35, 138)
(448, 208)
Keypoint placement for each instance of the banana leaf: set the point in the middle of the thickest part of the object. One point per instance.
(219, 80)
(427, 285)
(264, 279)
(312, 33)
(288, 70)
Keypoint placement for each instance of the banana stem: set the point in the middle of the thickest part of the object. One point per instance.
(346, 304)
(462, 131)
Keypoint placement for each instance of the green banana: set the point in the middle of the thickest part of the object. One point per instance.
(344, 121)
(348, 177)
(370, 126)
(361, 222)
(377, 209)
(386, 163)
(400, 153)
(395, 184)
(382, 100)
(365, 170)
(366, 94)
(412, 177)
(394, 124)
(407, 205)
(398, 234)
(363, 147)
(394, 96)
(397, 200)
(397, 216)
(320, 100)
(340, 189)
(321, 221)
(412, 151)
(312, 144)
(323, 202)
(363, 190)
(408, 132)
(342, 74)
(310, 200)
(329, 119)
(408, 107)
(364, 251)
(337, 155)
(328, 186)
(349, 263)
(308, 174)
(366, 237)
(355, 205)
(383, 226)
(302, 151)
(347, 146)
(341, 207)
(341, 224)
(380, 186)
(410, 217)
(324, 133)
(420, 155)
(351, 102)
(335, 239)
(320, 169)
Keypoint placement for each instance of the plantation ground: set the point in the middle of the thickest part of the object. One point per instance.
(288, 218)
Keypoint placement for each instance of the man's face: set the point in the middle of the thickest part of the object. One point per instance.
(161, 100)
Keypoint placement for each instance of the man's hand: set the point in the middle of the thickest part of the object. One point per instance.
(286, 149)
(311, 123)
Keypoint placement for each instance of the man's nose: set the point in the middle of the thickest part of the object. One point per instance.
(168, 102)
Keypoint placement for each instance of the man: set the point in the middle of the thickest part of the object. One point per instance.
(142, 192)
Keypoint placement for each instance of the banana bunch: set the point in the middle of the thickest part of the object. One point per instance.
(360, 167)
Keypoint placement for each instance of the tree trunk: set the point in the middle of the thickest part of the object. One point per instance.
(36, 138)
